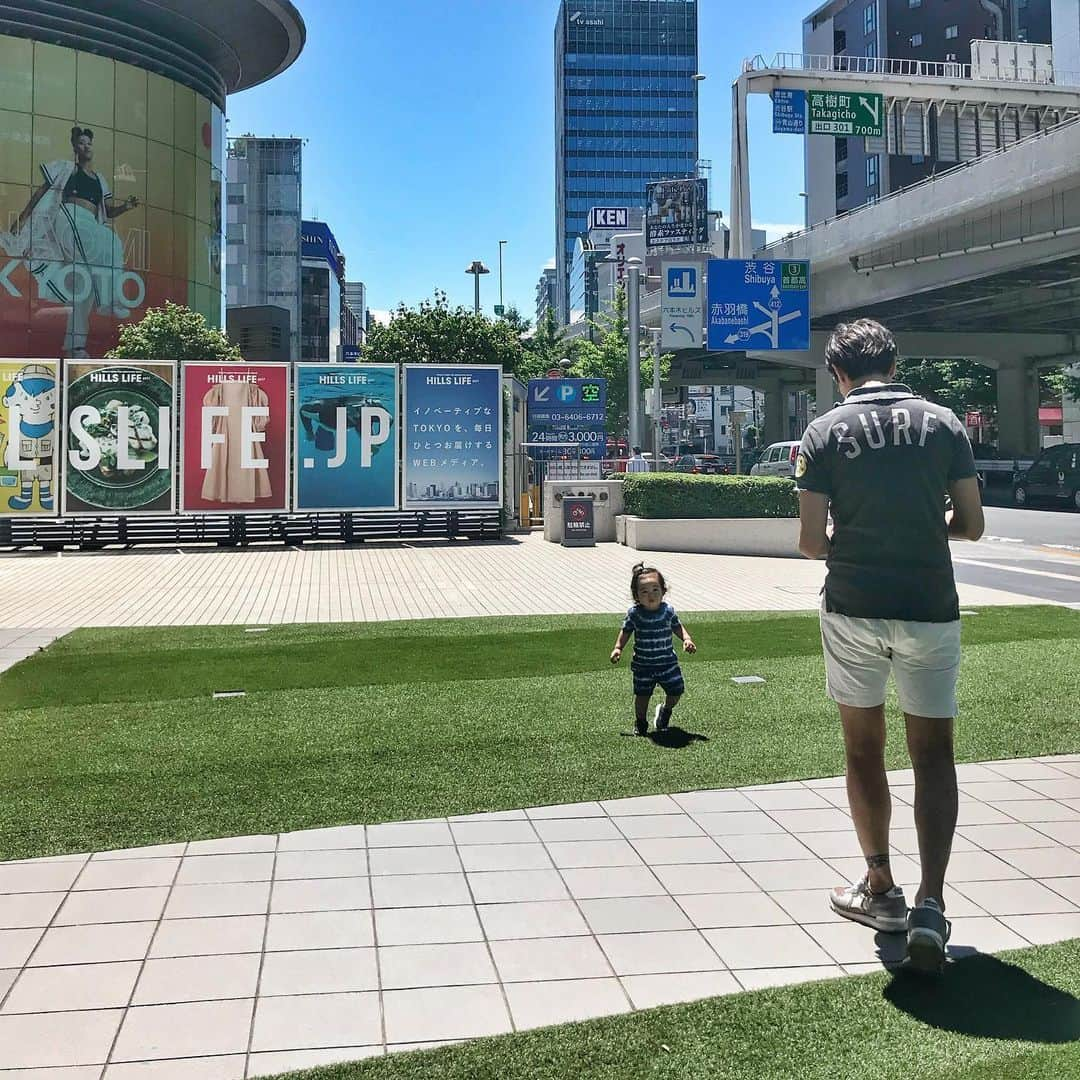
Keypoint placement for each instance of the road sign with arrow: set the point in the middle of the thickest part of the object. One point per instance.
(758, 305)
(682, 307)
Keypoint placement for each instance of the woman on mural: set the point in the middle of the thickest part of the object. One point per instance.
(71, 248)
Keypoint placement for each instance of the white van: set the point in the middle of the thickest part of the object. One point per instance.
(778, 460)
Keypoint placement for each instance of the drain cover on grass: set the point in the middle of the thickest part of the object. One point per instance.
(744, 680)
(229, 693)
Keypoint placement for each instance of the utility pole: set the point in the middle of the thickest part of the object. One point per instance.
(634, 359)
(658, 395)
(502, 309)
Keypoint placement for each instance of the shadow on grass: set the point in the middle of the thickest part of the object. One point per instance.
(988, 998)
(675, 738)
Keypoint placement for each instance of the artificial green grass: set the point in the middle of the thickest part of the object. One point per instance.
(111, 739)
(1011, 1017)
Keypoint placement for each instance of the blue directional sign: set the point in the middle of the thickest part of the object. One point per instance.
(789, 112)
(758, 305)
(568, 411)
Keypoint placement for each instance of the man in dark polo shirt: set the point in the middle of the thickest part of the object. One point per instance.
(880, 464)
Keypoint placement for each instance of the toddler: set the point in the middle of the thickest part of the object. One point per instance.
(652, 621)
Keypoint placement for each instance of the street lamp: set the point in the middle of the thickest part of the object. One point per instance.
(502, 309)
(476, 269)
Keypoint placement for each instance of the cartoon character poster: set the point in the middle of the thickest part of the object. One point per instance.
(29, 437)
(118, 445)
(346, 436)
(234, 438)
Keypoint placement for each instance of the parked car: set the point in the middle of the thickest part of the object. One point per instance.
(666, 464)
(702, 464)
(1053, 476)
(777, 460)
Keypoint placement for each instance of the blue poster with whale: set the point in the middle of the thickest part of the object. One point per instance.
(346, 437)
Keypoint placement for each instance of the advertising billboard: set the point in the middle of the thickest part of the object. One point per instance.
(568, 411)
(676, 213)
(29, 437)
(234, 438)
(453, 436)
(346, 437)
(110, 199)
(118, 443)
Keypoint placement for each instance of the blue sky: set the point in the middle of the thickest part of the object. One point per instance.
(430, 128)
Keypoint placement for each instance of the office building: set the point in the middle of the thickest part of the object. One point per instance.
(152, 117)
(261, 333)
(356, 302)
(263, 227)
(322, 279)
(546, 293)
(845, 173)
(626, 110)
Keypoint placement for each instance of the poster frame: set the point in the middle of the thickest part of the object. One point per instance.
(346, 369)
(171, 365)
(60, 433)
(429, 505)
(182, 510)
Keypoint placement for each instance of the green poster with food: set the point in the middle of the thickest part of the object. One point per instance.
(119, 438)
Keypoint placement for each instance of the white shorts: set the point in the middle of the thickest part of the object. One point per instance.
(860, 653)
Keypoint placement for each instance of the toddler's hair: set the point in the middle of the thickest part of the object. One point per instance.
(640, 571)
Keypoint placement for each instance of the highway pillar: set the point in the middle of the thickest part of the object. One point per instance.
(1018, 407)
(1070, 410)
(776, 412)
(826, 392)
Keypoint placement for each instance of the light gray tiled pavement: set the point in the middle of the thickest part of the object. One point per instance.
(520, 575)
(248, 956)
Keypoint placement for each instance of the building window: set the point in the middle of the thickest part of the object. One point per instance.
(871, 50)
(914, 3)
(869, 18)
(841, 186)
(917, 159)
(872, 171)
(951, 58)
(952, 32)
(839, 42)
(841, 150)
(1021, 34)
(916, 40)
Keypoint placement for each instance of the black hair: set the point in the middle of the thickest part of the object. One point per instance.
(78, 132)
(637, 449)
(639, 572)
(860, 348)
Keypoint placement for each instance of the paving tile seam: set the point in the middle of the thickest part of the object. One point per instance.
(262, 960)
(146, 954)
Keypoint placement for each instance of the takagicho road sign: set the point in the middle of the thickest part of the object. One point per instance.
(758, 305)
(859, 115)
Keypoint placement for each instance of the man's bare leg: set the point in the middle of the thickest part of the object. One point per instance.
(930, 743)
(868, 789)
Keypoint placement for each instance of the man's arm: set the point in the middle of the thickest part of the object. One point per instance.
(966, 522)
(813, 521)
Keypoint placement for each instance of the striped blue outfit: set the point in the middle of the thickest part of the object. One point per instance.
(654, 659)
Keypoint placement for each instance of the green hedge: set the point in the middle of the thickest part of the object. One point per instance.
(685, 495)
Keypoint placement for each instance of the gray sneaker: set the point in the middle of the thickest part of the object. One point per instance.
(886, 912)
(928, 932)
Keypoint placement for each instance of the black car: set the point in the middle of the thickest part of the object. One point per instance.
(702, 465)
(1053, 476)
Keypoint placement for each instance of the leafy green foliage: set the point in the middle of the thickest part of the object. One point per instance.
(435, 333)
(679, 495)
(609, 358)
(173, 332)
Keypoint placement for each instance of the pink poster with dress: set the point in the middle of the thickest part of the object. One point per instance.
(234, 438)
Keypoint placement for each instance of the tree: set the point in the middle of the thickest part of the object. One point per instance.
(546, 347)
(609, 358)
(173, 332)
(435, 333)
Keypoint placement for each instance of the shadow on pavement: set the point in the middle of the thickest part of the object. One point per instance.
(989, 998)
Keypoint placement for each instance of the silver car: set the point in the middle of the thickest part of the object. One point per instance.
(778, 460)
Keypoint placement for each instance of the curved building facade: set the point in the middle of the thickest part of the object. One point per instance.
(111, 155)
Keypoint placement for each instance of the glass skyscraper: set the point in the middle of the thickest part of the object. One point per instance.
(626, 109)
